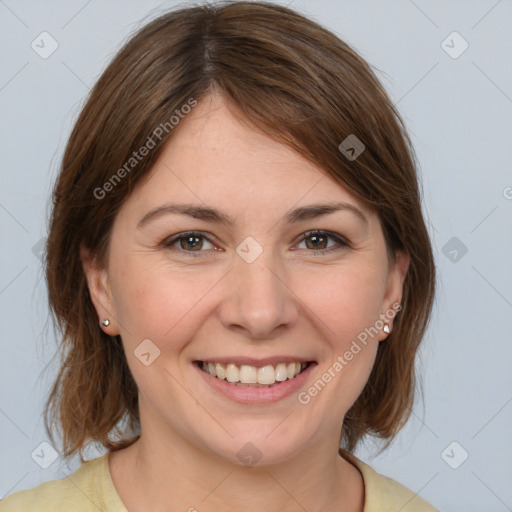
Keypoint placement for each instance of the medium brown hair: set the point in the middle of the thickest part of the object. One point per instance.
(292, 80)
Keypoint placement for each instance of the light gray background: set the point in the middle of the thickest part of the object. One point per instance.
(458, 112)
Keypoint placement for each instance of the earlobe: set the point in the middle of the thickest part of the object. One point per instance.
(99, 290)
(394, 290)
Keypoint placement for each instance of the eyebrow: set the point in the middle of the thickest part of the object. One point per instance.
(209, 214)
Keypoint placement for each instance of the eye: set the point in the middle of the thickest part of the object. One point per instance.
(318, 241)
(190, 242)
(193, 242)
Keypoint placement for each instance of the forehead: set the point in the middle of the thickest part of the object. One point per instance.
(216, 158)
(215, 137)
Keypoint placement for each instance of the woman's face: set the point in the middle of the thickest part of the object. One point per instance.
(283, 266)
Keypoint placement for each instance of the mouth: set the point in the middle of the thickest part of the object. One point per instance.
(245, 375)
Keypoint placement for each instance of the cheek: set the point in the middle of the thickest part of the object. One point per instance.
(347, 300)
(346, 304)
(157, 301)
(154, 302)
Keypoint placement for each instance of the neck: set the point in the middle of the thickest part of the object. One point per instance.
(153, 473)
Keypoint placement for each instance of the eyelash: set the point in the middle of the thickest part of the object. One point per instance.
(169, 242)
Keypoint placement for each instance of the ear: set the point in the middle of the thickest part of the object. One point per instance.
(99, 290)
(398, 268)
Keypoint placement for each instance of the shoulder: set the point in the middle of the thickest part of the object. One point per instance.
(383, 494)
(87, 489)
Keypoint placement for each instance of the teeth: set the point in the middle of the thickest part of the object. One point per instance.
(267, 375)
(248, 374)
(281, 373)
(251, 375)
(219, 370)
(232, 373)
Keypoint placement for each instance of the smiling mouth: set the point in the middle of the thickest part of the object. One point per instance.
(251, 376)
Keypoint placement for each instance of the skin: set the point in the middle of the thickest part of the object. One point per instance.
(292, 300)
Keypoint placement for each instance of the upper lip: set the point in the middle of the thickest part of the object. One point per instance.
(253, 361)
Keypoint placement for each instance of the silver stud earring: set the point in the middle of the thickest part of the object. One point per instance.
(386, 328)
(105, 322)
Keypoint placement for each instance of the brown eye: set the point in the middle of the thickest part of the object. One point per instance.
(318, 241)
(191, 243)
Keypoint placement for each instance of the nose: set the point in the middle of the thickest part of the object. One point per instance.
(257, 300)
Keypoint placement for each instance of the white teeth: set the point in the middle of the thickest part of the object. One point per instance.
(251, 375)
(232, 373)
(281, 374)
(220, 371)
(248, 374)
(267, 375)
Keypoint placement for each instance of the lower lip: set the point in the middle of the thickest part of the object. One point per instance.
(250, 395)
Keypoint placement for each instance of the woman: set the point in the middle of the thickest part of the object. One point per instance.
(238, 263)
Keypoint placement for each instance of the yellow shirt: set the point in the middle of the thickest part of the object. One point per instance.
(90, 489)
